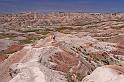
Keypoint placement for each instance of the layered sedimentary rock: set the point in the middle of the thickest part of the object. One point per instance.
(58, 57)
(17, 21)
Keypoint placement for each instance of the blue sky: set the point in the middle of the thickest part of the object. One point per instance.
(62, 5)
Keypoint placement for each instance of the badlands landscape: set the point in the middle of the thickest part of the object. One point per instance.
(61, 47)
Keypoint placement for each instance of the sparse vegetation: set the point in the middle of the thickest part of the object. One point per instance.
(80, 76)
(25, 41)
(69, 77)
(75, 52)
(30, 30)
(4, 35)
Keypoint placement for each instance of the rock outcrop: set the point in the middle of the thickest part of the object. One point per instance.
(60, 56)
(111, 73)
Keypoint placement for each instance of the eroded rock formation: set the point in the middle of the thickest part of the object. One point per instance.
(60, 56)
(111, 73)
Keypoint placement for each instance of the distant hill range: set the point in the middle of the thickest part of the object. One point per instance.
(57, 19)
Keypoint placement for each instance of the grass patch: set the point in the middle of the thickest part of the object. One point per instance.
(80, 76)
(5, 56)
(43, 32)
(3, 35)
(25, 41)
(118, 27)
(63, 28)
(84, 23)
(31, 30)
(7, 52)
